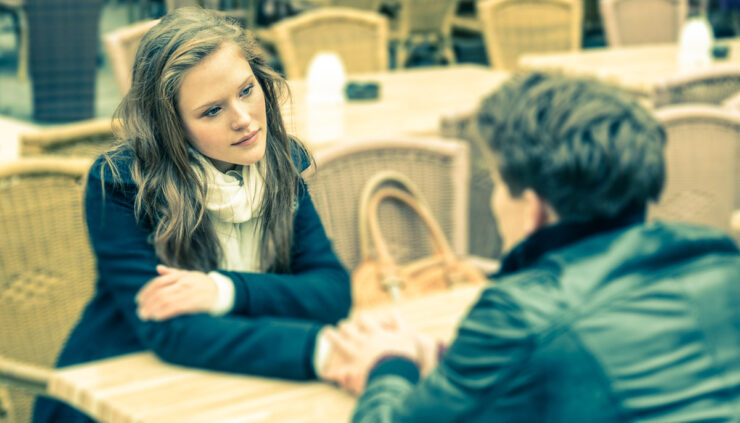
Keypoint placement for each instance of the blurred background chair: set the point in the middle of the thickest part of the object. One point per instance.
(80, 139)
(121, 45)
(733, 102)
(16, 8)
(243, 10)
(419, 21)
(483, 236)
(47, 270)
(359, 38)
(628, 22)
(515, 27)
(702, 166)
(368, 5)
(439, 168)
(712, 86)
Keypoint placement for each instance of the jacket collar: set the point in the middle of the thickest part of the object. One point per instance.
(559, 235)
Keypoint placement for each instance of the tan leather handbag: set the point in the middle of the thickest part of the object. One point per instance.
(379, 278)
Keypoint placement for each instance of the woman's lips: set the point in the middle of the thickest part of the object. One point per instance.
(247, 139)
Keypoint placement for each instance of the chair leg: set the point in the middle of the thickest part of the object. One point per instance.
(23, 42)
(401, 54)
(447, 51)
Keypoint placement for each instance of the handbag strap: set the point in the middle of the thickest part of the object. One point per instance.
(372, 185)
(385, 259)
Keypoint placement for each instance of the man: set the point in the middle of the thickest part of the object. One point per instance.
(595, 315)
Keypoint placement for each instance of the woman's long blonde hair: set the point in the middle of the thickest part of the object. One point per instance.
(171, 195)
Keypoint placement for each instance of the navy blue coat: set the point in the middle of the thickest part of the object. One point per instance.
(270, 332)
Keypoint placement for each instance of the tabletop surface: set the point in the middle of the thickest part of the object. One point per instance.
(141, 388)
(411, 102)
(635, 68)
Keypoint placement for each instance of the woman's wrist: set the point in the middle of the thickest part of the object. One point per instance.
(224, 294)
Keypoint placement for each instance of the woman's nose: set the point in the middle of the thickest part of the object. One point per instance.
(241, 118)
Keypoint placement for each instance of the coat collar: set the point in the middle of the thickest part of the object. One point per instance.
(559, 235)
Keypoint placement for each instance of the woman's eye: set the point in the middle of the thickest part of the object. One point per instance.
(213, 111)
(247, 90)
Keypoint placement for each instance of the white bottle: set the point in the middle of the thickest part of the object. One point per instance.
(325, 98)
(695, 44)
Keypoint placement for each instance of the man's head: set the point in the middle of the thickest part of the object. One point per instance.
(568, 149)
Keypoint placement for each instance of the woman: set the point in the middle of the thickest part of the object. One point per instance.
(210, 252)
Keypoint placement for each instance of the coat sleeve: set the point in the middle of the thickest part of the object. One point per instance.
(491, 348)
(268, 346)
(318, 286)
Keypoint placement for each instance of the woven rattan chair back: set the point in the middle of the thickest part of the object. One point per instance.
(47, 270)
(711, 86)
(440, 169)
(515, 27)
(629, 22)
(423, 21)
(484, 238)
(120, 46)
(79, 139)
(702, 165)
(358, 37)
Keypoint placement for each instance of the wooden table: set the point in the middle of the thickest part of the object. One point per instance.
(141, 388)
(411, 102)
(635, 68)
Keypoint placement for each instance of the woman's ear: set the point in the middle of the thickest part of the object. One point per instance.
(537, 213)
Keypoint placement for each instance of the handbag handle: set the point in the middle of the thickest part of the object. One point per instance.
(368, 190)
(389, 268)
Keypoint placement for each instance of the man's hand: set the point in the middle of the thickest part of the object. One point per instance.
(358, 345)
(176, 292)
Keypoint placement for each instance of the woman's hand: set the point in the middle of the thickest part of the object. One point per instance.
(176, 292)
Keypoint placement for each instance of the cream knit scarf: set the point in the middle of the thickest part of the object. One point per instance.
(233, 201)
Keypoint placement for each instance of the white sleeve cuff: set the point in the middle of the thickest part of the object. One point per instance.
(225, 295)
(321, 353)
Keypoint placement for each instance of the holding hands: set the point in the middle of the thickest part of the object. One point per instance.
(175, 292)
(359, 344)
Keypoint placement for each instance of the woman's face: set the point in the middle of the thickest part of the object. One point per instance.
(222, 106)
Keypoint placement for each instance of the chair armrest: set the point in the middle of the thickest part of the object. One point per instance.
(38, 141)
(25, 376)
(486, 265)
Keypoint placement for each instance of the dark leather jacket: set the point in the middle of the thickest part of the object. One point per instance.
(615, 321)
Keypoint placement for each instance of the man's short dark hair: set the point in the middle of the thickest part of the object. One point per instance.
(585, 147)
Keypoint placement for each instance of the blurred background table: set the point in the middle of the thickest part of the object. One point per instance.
(411, 102)
(141, 388)
(637, 69)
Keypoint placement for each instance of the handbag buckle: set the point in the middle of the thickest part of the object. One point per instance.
(393, 285)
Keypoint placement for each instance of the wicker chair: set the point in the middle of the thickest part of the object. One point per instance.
(439, 168)
(628, 22)
(733, 102)
(368, 5)
(47, 270)
(16, 6)
(515, 27)
(121, 45)
(711, 86)
(423, 21)
(360, 39)
(83, 139)
(484, 237)
(243, 10)
(703, 166)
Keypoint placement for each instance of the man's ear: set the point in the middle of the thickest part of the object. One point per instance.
(537, 213)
